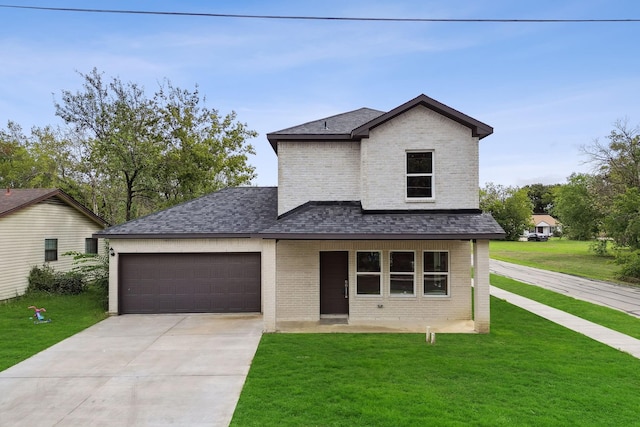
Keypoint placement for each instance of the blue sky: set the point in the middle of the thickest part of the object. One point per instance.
(546, 88)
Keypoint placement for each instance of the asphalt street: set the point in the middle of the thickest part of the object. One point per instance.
(619, 297)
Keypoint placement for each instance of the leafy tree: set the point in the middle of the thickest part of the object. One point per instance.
(541, 197)
(509, 206)
(136, 154)
(623, 222)
(618, 160)
(576, 208)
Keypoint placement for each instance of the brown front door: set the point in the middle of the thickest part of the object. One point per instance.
(334, 273)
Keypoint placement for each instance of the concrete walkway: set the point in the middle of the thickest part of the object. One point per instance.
(592, 330)
(135, 370)
(618, 297)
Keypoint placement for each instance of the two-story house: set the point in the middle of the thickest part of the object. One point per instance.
(375, 222)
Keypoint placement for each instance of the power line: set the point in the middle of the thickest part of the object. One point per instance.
(315, 18)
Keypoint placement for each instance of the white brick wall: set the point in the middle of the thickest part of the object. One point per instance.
(455, 162)
(315, 171)
(298, 283)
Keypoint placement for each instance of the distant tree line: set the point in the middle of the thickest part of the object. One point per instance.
(604, 204)
(124, 154)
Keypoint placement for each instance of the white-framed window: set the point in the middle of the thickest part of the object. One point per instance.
(435, 268)
(368, 273)
(402, 273)
(420, 175)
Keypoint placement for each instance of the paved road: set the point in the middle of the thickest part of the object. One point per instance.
(619, 297)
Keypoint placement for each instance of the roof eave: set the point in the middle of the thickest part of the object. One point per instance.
(381, 236)
(274, 138)
(174, 236)
(478, 128)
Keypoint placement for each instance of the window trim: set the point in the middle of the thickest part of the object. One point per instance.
(379, 274)
(48, 257)
(404, 273)
(437, 273)
(432, 175)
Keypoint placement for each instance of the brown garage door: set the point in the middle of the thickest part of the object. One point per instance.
(189, 283)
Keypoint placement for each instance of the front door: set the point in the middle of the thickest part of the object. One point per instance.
(334, 279)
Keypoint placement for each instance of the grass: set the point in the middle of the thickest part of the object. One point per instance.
(527, 371)
(70, 314)
(613, 319)
(561, 255)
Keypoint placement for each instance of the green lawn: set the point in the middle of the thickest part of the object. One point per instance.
(527, 371)
(21, 338)
(565, 256)
(613, 319)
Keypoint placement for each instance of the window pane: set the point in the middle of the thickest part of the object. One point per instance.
(368, 262)
(91, 246)
(50, 249)
(368, 284)
(401, 262)
(402, 284)
(436, 262)
(435, 284)
(419, 186)
(419, 162)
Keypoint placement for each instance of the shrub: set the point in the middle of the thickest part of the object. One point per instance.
(630, 262)
(46, 279)
(599, 247)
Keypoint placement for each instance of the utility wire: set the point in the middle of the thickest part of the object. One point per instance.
(314, 18)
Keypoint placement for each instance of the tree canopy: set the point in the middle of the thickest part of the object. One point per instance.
(125, 154)
(509, 206)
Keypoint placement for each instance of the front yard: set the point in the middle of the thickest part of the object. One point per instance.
(561, 255)
(528, 371)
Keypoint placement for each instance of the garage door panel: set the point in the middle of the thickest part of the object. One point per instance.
(183, 283)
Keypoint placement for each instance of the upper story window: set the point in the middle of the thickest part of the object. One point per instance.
(368, 273)
(420, 174)
(50, 249)
(90, 246)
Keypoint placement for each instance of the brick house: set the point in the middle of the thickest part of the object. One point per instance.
(374, 223)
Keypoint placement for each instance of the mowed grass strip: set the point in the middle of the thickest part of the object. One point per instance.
(608, 317)
(527, 371)
(70, 314)
(561, 255)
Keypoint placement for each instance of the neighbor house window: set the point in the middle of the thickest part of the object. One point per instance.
(436, 273)
(401, 273)
(50, 249)
(368, 273)
(90, 246)
(420, 175)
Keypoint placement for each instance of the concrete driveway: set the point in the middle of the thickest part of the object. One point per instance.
(619, 297)
(136, 370)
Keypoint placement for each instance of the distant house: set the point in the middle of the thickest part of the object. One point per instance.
(374, 222)
(544, 224)
(36, 227)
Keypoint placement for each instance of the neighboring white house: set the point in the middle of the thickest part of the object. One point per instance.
(36, 227)
(544, 224)
(374, 222)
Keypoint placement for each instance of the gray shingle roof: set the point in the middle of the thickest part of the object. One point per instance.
(339, 124)
(347, 220)
(252, 212)
(238, 212)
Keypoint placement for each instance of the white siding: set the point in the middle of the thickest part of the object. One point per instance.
(383, 167)
(22, 236)
(317, 171)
